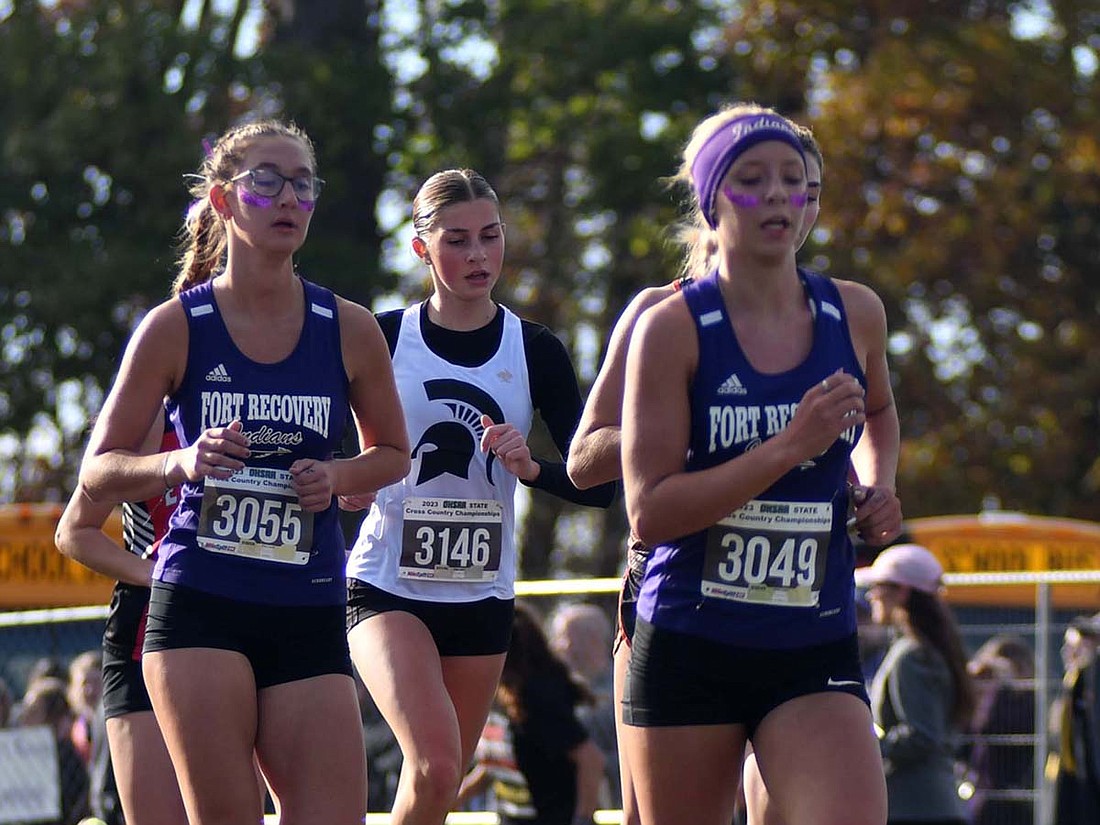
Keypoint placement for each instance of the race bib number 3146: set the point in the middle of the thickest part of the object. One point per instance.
(451, 539)
(769, 552)
(255, 513)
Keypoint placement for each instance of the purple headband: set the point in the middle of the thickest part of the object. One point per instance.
(721, 149)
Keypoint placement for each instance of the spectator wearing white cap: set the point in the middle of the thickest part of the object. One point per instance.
(921, 696)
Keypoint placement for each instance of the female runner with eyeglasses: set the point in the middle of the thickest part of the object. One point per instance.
(244, 648)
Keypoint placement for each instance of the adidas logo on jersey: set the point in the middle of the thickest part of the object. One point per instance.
(219, 373)
(732, 386)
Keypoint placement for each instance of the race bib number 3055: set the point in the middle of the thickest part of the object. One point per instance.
(451, 539)
(255, 513)
(769, 552)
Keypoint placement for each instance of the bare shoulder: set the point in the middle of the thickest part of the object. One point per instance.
(651, 296)
(352, 313)
(153, 366)
(166, 318)
(356, 321)
(160, 340)
(648, 297)
(866, 312)
(361, 340)
(861, 302)
(669, 322)
(670, 306)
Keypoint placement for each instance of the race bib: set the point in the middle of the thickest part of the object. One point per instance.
(769, 552)
(255, 513)
(446, 539)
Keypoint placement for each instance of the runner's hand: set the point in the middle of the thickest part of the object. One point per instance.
(510, 446)
(878, 514)
(218, 452)
(313, 482)
(359, 501)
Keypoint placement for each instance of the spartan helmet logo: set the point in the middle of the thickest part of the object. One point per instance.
(449, 446)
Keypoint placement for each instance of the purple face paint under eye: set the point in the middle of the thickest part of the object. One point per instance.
(752, 201)
(737, 199)
(259, 201)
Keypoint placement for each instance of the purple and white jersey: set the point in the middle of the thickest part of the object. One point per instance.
(247, 537)
(777, 572)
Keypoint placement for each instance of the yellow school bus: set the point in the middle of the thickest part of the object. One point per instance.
(33, 573)
(1000, 542)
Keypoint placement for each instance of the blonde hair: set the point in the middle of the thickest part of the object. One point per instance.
(810, 145)
(693, 234)
(202, 237)
(445, 188)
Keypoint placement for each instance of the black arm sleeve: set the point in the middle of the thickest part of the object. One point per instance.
(390, 324)
(557, 397)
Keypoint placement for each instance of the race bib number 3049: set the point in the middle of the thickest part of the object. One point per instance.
(451, 539)
(769, 552)
(255, 513)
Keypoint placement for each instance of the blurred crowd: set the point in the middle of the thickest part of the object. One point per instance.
(552, 734)
(66, 699)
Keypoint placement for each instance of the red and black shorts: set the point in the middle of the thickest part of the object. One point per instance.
(637, 557)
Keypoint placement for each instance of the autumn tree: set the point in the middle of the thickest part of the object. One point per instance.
(575, 113)
(105, 107)
(962, 183)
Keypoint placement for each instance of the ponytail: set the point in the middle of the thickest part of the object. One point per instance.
(204, 245)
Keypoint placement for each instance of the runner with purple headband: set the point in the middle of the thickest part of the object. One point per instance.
(765, 377)
(726, 145)
(595, 457)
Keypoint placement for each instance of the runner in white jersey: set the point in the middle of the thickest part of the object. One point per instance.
(430, 578)
(459, 542)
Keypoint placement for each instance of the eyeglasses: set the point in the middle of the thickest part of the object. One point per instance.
(268, 183)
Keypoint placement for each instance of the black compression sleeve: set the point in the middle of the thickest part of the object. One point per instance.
(390, 323)
(557, 397)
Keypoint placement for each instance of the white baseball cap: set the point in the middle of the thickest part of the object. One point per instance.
(909, 564)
